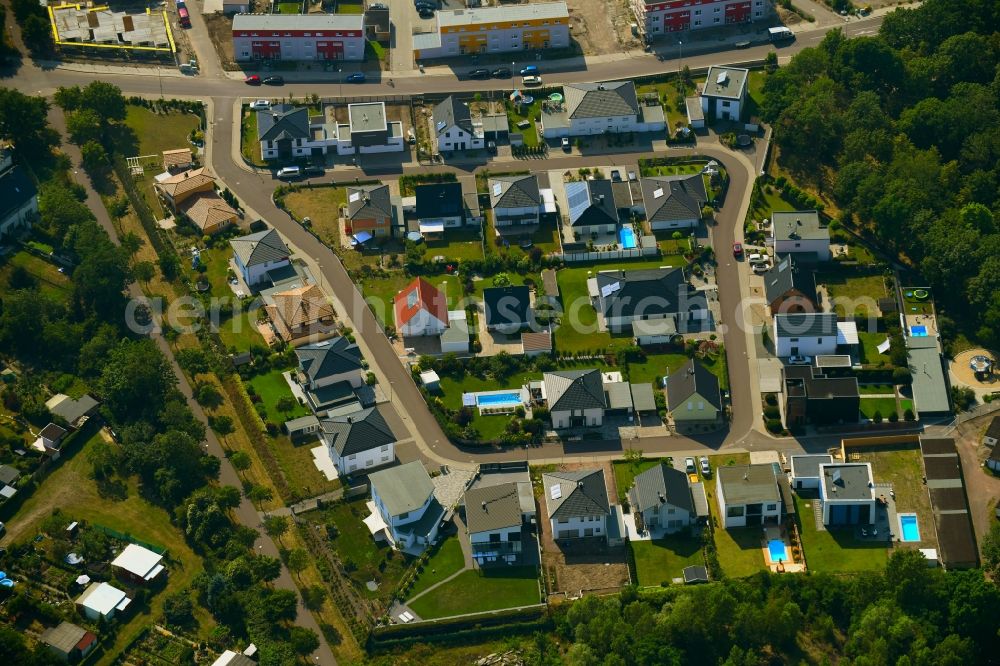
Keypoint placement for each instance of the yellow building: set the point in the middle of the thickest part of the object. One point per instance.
(530, 27)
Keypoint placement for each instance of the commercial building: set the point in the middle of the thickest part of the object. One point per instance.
(533, 26)
(658, 18)
(312, 37)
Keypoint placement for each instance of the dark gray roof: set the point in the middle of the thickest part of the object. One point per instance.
(669, 198)
(690, 379)
(506, 305)
(439, 200)
(591, 202)
(574, 389)
(354, 433)
(404, 488)
(260, 248)
(451, 112)
(695, 574)
(16, 189)
(651, 292)
(582, 493)
(817, 386)
(807, 466)
(847, 481)
(642, 397)
(798, 225)
(8, 474)
(283, 121)
(806, 324)
(661, 484)
(330, 357)
(368, 201)
(492, 507)
(749, 484)
(52, 431)
(994, 428)
(514, 191)
(600, 100)
(786, 275)
(69, 409)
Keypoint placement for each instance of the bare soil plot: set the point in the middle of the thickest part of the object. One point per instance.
(220, 30)
(592, 25)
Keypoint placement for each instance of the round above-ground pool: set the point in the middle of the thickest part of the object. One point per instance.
(556, 97)
(921, 294)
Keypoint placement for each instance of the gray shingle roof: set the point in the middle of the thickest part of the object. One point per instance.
(690, 379)
(330, 357)
(749, 484)
(354, 433)
(452, 113)
(16, 189)
(515, 191)
(806, 324)
(8, 474)
(601, 100)
(582, 493)
(439, 200)
(680, 197)
(786, 275)
(661, 484)
(574, 389)
(655, 291)
(283, 121)
(492, 508)
(404, 488)
(260, 248)
(591, 202)
(371, 201)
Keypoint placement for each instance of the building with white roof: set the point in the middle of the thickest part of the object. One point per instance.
(102, 600)
(319, 37)
(137, 564)
(533, 26)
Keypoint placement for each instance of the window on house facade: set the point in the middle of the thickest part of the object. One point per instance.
(772, 507)
(734, 512)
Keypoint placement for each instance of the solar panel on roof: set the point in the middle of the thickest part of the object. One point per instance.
(411, 298)
(609, 289)
(441, 125)
(578, 198)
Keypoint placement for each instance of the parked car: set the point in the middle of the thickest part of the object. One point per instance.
(252, 80)
(183, 17)
(616, 176)
(356, 77)
(479, 73)
(425, 13)
(706, 469)
(314, 171)
(760, 266)
(275, 80)
(529, 70)
(755, 257)
(689, 465)
(565, 143)
(289, 173)
(738, 250)
(258, 104)
(799, 360)
(502, 73)
(531, 81)
(742, 45)
(425, 4)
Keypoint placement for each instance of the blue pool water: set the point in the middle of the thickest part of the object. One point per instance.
(908, 527)
(918, 331)
(627, 237)
(776, 548)
(498, 399)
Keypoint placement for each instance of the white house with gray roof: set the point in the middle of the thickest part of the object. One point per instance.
(805, 334)
(662, 498)
(748, 495)
(575, 397)
(609, 107)
(800, 232)
(404, 508)
(453, 128)
(577, 503)
(329, 362)
(258, 253)
(494, 520)
(360, 441)
(286, 132)
(673, 202)
(724, 93)
(516, 201)
(805, 470)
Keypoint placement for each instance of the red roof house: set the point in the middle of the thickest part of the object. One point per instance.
(421, 309)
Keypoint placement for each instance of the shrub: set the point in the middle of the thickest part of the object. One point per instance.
(908, 415)
(771, 399)
(772, 412)
(877, 416)
(893, 417)
(774, 426)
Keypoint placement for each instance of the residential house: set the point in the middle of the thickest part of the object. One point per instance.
(724, 93)
(653, 332)
(507, 309)
(101, 600)
(50, 440)
(138, 565)
(575, 398)
(661, 497)
(812, 397)
(369, 131)
(673, 202)
(74, 412)
(305, 37)
(421, 309)
(992, 434)
(847, 494)
(656, 18)
(498, 29)
(455, 338)
(748, 495)
(577, 504)
(622, 298)
(439, 206)
(300, 313)
(789, 287)
(359, 441)
(8, 481)
(516, 202)
(210, 213)
(404, 508)
(18, 197)
(369, 208)
(330, 362)
(609, 107)
(230, 658)
(800, 232)
(68, 641)
(284, 132)
(192, 193)
(693, 396)
(993, 461)
(494, 523)
(453, 128)
(592, 208)
(176, 189)
(258, 253)
(805, 470)
(931, 391)
(805, 334)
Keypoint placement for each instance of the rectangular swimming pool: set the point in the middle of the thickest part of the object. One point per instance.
(918, 331)
(627, 237)
(908, 527)
(498, 399)
(776, 549)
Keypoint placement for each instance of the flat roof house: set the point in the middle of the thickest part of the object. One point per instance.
(308, 37)
(68, 641)
(453, 128)
(494, 519)
(404, 507)
(673, 202)
(258, 253)
(359, 441)
(748, 495)
(800, 232)
(575, 398)
(50, 440)
(471, 30)
(789, 287)
(600, 108)
(137, 565)
(812, 397)
(516, 201)
(101, 600)
(507, 309)
(421, 309)
(369, 131)
(693, 396)
(661, 497)
(847, 494)
(724, 93)
(805, 470)
(622, 298)
(577, 504)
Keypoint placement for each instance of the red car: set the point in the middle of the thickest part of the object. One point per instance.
(252, 80)
(737, 250)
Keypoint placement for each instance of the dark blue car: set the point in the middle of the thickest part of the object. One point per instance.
(356, 77)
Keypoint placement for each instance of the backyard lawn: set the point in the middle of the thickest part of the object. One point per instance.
(853, 294)
(545, 238)
(662, 560)
(45, 275)
(457, 244)
(240, 331)
(490, 427)
(476, 591)
(671, 170)
(520, 113)
(870, 354)
(157, 132)
(884, 406)
(446, 560)
(837, 550)
(379, 293)
(655, 365)
(249, 145)
(296, 463)
(667, 91)
(271, 388)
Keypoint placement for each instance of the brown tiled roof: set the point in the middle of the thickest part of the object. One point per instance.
(209, 210)
(185, 181)
(298, 307)
(541, 341)
(177, 157)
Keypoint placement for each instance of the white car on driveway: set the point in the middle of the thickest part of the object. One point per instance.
(260, 104)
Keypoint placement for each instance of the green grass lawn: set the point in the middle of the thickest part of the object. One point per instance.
(350, 8)
(490, 427)
(755, 92)
(545, 238)
(157, 132)
(44, 274)
(271, 387)
(655, 365)
(913, 305)
(836, 550)
(904, 469)
(477, 591)
(296, 462)
(322, 206)
(739, 549)
(870, 389)
(662, 560)
(667, 92)
(904, 405)
(447, 559)
(380, 292)
(869, 348)
(240, 332)
(249, 145)
(671, 170)
(516, 114)
(457, 244)
(291, 8)
(885, 406)
(853, 294)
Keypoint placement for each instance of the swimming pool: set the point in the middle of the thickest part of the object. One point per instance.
(627, 237)
(498, 399)
(908, 527)
(776, 549)
(918, 331)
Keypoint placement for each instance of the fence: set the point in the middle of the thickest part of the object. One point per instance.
(611, 254)
(124, 536)
(141, 208)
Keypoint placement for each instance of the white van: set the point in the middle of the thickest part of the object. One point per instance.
(288, 173)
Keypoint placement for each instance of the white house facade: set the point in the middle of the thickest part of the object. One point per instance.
(748, 495)
(258, 253)
(800, 232)
(404, 499)
(359, 442)
(575, 398)
(601, 108)
(577, 504)
(805, 334)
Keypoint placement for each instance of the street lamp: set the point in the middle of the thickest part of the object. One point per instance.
(680, 62)
(340, 82)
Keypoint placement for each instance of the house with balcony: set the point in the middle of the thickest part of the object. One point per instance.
(475, 29)
(516, 203)
(310, 37)
(358, 442)
(661, 500)
(494, 522)
(259, 253)
(608, 107)
(439, 206)
(404, 508)
(577, 504)
(748, 495)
